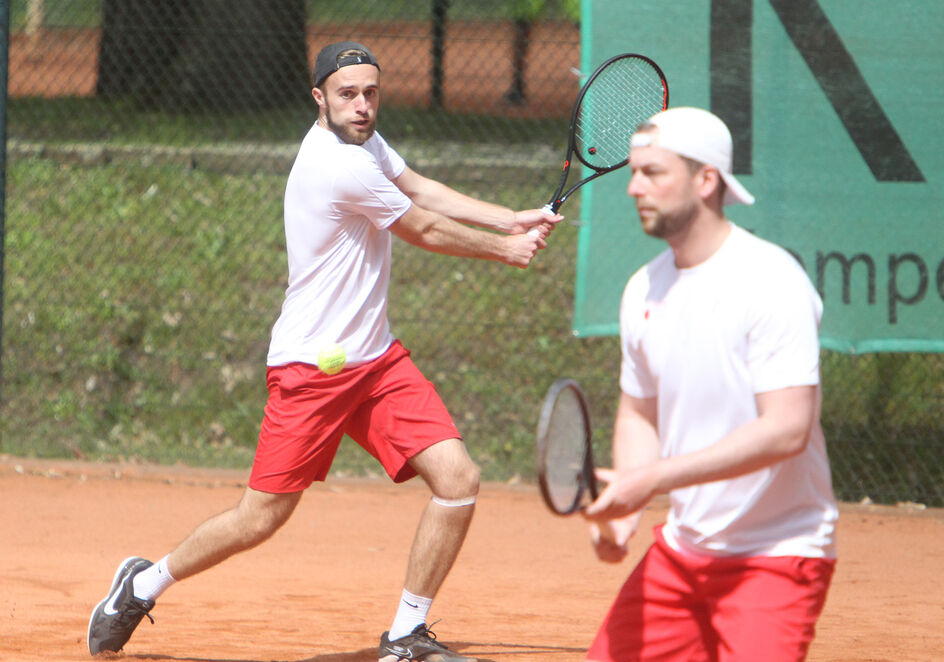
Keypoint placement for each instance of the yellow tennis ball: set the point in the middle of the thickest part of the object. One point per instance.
(331, 359)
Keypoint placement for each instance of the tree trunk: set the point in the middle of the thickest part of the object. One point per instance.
(205, 54)
(140, 39)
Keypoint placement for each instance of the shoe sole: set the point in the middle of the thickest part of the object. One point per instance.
(115, 582)
(432, 657)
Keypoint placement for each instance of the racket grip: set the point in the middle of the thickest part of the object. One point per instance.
(546, 208)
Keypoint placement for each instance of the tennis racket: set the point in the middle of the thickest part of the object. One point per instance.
(623, 92)
(564, 452)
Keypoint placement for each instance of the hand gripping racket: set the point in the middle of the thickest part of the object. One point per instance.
(623, 92)
(564, 452)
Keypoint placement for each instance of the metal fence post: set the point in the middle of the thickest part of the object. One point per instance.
(440, 9)
(4, 72)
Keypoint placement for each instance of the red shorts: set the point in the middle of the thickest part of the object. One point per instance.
(385, 405)
(680, 608)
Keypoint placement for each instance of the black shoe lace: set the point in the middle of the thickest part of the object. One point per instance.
(132, 613)
(429, 634)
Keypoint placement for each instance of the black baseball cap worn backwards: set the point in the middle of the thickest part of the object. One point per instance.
(330, 59)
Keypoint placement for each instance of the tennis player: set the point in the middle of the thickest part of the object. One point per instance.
(719, 409)
(347, 195)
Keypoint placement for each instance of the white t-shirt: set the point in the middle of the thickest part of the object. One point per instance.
(704, 341)
(339, 201)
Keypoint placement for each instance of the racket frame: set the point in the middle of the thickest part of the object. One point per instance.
(560, 196)
(587, 483)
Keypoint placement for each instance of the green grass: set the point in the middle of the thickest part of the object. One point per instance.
(148, 307)
(81, 120)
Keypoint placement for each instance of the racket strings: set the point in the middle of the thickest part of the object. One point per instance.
(626, 93)
(566, 451)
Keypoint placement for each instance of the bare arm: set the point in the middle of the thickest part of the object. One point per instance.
(781, 430)
(437, 197)
(439, 234)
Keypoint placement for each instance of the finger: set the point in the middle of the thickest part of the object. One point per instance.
(606, 475)
(597, 509)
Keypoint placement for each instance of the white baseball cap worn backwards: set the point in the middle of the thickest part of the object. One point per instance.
(701, 136)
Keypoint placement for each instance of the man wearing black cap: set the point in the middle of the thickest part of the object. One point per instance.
(334, 367)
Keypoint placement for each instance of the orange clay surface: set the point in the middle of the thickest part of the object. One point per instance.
(526, 587)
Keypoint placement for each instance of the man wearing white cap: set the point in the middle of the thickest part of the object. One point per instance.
(719, 409)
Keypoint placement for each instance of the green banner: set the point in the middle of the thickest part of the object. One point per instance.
(835, 110)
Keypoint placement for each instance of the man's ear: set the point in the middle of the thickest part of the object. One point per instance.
(318, 96)
(709, 181)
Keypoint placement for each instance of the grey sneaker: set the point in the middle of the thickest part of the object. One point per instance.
(420, 644)
(115, 618)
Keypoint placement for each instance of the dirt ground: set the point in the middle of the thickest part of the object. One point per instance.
(526, 587)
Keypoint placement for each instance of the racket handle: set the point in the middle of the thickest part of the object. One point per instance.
(546, 208)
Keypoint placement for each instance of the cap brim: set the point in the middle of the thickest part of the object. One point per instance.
(735, 193)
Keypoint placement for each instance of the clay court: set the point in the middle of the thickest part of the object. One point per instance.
(325, 586)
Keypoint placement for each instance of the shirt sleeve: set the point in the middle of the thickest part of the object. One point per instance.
(389, 159)
(784, 339)
(363, 188)
(636, 378)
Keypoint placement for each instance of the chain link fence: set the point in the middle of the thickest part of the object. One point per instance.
(148, 145)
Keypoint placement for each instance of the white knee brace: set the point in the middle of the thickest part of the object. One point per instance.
(454, 503)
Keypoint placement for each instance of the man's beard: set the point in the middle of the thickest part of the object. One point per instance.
(665, 225)
(346, 133)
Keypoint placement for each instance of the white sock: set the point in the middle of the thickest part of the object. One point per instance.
(150, 583)
(411, 612)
